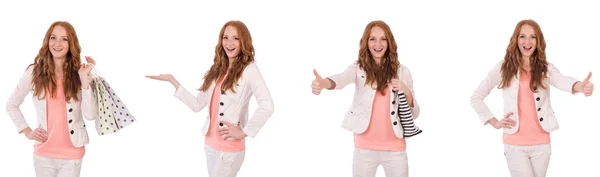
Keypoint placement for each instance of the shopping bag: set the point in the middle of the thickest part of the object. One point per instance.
(406, 117)
(113, 115)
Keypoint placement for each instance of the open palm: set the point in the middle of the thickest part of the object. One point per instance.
(162, 77)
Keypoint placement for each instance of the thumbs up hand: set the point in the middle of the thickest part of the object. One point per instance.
(587, 88)
(318, 84)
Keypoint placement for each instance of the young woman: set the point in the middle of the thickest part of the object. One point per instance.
(381, 84)
(62, 96)
(524, 76)
(228, 86)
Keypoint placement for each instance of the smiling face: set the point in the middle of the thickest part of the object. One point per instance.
(527, 41)
(231, 42)
(378, 43)
(58, 44)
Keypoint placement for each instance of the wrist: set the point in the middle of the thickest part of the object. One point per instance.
(577, 87)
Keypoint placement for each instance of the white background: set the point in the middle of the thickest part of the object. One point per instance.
(449, 47)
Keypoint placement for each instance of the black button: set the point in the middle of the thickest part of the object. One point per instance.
(83, 125)
(70, 109)
(71, 120)
(72, 132)
(539, 109)
(351, 112)
(220, 124)
(393, 112)
(537, 99)
(221, 114)
(362, 76)
(395, 123)
(221, 103)
(541, 119)
(393, 102)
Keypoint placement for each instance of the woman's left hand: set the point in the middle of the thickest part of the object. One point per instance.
(84, 72)
(397, 84)
(232, 131)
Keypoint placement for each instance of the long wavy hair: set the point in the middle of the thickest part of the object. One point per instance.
(221, 61)
(513, 59)
(388, 68)
(43, 75)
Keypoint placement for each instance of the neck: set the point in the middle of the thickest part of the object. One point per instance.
(231, 61)
(377, 60)
(58, 64)
(525, 64)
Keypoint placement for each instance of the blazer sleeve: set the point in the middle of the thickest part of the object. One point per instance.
(89, 102)
(345, 78)
(16, 99)
(407, 78)
(483, 90)
(265, 103)
(560, 81)
(196, 103)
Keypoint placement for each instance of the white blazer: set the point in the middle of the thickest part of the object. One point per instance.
(510, 96)
(75, 110)
(234, 106)
(359, 115)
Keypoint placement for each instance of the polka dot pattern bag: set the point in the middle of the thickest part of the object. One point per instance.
(113, 115)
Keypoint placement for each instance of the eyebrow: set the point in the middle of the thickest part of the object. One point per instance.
(55, 35)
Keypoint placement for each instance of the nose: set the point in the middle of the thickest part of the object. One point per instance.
(379, 42)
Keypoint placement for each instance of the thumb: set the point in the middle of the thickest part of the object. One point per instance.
(227, 123)
(317, 74)
(587, 79)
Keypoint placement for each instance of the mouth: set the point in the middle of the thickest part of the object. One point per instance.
(229, 49)
(58, 49)
(527, 49)
(378, 50)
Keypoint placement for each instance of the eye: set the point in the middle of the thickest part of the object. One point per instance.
(385, 39)
(237, 38)
(65, 39)
(52, 37)
(224, 37)
(521, 36)
(534, 37)
(371, 39)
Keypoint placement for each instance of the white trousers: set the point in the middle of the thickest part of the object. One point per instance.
(223, 164)
(54, 167)
(528, 161)
(365, 163)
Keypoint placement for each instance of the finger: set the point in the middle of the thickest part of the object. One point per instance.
(587, 79)
(227, 137)
(508, 115)
(224, 132)
(317, 74)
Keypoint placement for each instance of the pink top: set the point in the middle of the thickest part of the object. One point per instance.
(59, 143)
(380, 135)
(530, 132)
(214, 138)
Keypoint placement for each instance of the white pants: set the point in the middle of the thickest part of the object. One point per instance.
(365, 163)
(223, 164)
(54, 167)
(528, 161)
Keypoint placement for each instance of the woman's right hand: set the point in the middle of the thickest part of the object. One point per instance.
(506, 122)
(38, 134)
(165, 77)
(318, 83)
